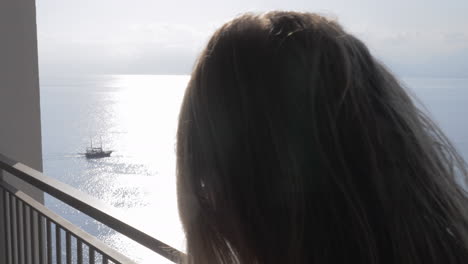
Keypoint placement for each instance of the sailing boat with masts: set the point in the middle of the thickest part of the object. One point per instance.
(97, 152)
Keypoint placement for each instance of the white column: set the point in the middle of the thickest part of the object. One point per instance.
(20, 123)
(2, 227)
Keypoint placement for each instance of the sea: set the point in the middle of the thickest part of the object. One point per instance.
(136, 117)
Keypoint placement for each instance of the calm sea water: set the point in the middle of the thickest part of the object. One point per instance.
(136, 116)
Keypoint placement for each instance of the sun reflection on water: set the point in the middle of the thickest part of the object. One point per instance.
(145, 112)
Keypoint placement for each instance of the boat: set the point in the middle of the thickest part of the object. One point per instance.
(97, 152)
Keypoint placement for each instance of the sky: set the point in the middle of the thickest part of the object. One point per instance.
(414, 38)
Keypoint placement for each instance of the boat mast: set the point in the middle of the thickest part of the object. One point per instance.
(101, 142)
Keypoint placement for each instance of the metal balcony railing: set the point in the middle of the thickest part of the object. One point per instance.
(34, 234)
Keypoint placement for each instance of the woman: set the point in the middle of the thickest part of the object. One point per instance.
(296, 146)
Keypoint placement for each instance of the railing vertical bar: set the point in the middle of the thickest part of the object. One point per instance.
(14, 256)
(40, 234)
(105, 260)
(33, 229)
(68, 247)
(79, 251)
(49, 241)
(19, 221)
(91, 254)
(25, 233)
(8, 238)
(58, 244)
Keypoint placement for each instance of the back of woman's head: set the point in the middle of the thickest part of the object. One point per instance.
(296, 146)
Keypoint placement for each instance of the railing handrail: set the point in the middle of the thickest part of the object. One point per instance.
(88, 205)
(78, 233)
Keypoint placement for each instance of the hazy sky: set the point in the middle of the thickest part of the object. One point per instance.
(414, 37)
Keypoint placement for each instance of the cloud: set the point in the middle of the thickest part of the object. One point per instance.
(171, 48)
(156, 48)
(420, 53)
